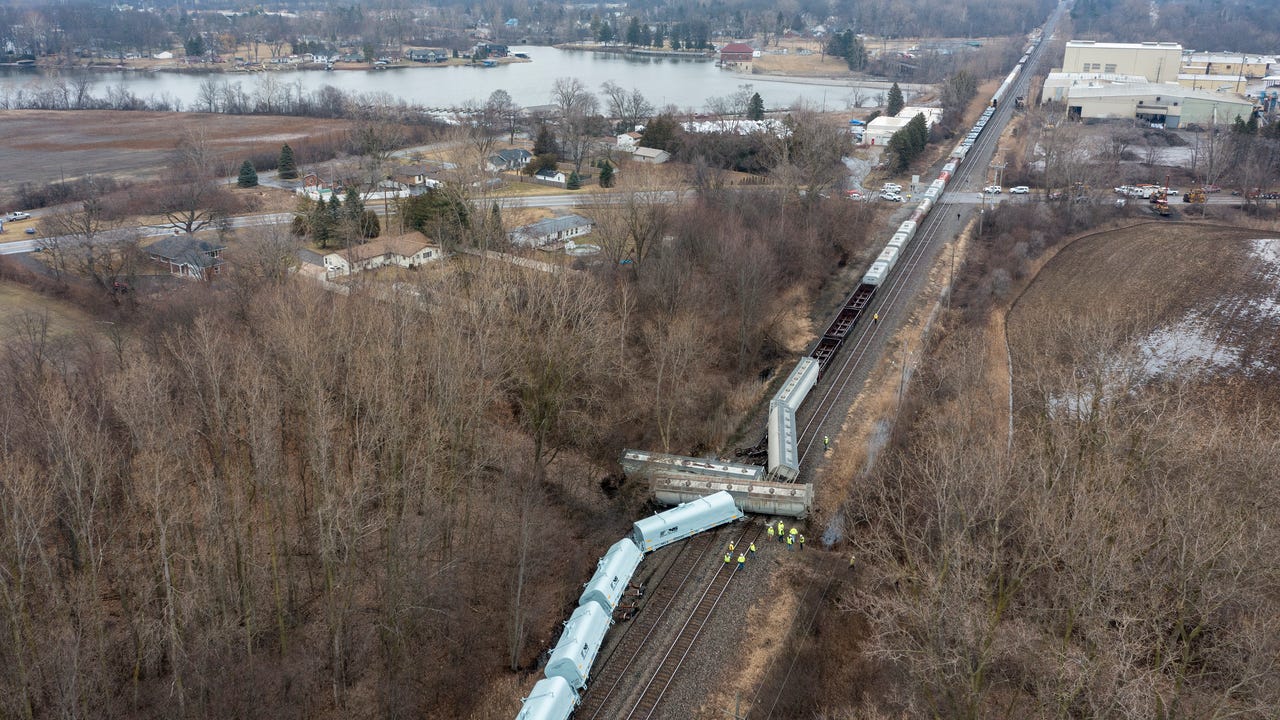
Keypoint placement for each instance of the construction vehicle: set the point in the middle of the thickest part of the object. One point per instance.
(1195, 195)
(1160, 202)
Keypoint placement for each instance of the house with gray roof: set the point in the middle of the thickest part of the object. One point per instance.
(551, 230)
(511, 159)
(186, 256)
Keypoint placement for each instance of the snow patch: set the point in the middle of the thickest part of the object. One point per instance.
(1186, 347)
(1267, 250)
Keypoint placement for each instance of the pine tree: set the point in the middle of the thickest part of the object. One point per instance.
(248, 176)
(574, 182)
(606, 176)
(660, 36)
(286, 167)
(895, 103)
(545, 142)
(369, 226)
(633, 31)
(755, 109)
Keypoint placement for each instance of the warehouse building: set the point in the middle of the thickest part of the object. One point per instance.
(1164, 103)
(1156, 61)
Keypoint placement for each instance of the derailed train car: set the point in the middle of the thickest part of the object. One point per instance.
(684, 520)
(579, 644)
(550, 699)
(612, 575)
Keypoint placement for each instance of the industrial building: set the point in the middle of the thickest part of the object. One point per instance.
(1155, 61)
(881, 130)
(1165, 103)
(1151, 82)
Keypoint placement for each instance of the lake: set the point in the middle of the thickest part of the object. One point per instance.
(683, 82)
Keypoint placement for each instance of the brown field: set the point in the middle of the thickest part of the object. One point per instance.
(1191, 292)
(43, 146)
(22, 310)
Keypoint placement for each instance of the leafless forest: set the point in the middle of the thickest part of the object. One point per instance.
(259, 499)
(1108, 553)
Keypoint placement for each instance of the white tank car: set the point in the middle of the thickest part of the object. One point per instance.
(551, 699)
(684, 520)
(579, 643)
(613, 572)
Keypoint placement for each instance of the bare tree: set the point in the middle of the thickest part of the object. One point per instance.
(575, 107)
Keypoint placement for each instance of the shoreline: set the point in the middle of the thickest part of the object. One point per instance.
(225, 68)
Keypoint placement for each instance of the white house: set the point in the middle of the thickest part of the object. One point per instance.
(551, 230)
(653, 156)
(552, 176)
(629, 141)
(166, 55)
(408, 251)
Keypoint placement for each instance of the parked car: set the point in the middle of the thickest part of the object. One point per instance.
(1211, 188)
(890, 196)
(854, 194)
(895, 187)
(992, 189)
(1019, 190)
(16, 216)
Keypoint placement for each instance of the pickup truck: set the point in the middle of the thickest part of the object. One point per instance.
(16, 216)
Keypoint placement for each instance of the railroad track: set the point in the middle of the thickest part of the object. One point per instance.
(837, 379)
(634, 642)
(668, 670)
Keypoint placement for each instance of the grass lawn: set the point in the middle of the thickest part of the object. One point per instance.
(19, 306)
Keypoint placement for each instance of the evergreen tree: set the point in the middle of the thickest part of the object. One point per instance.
(919, 129)
(545, 142)
(660, 133)
(248, 176)
(369, 226)
(633, 31)
(286, 168)
(646, 35)
(574, 181)
(606, 176)
(352, 205)
(660, 36)
(895, 103)
(755, 109)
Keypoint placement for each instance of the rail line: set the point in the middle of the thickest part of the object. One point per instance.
(634, 642)
(656, 688)
(886, 298)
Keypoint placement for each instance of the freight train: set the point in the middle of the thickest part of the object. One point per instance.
(569, 666)
(783, 462)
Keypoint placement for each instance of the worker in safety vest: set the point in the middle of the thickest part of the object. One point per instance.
(742, 560)
(730, 546)
(791, 542)
(875, 318)
(728, 558)
(752, 548)
(800, 541)
(826, 442)
(794, 533)
(770, 530)
(852, 560)
(780, 528)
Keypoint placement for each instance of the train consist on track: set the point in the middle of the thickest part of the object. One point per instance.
(783, 458)
(569, 666)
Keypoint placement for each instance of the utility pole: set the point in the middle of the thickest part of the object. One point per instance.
(737, 707)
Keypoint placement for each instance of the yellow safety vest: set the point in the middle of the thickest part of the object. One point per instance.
(752, 548)
(790, 540)
(727, 559)
(793, 532)
(801, 539)
(770, 531)
(741, 559)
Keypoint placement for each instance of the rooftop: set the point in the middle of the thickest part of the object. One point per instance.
(186, 250)
(1125, 46)
(1160, 90)
(552, 225)
(404, 245)
(737, 48)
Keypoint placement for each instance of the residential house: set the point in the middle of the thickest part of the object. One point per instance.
(552, 176)
(408, 251)
(511, 159)
(652, 156)
(428, 55)
(186, 256)
(165, 55)
(740, 53)
(551, 230)
(416, 177)
(628, 142)
(316, 187)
